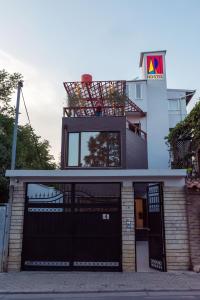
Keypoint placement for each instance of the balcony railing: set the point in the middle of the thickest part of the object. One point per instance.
(84, 111)
(134, 128)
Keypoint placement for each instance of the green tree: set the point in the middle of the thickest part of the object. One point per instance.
(184, 139)
(8, 84)
(32, 151)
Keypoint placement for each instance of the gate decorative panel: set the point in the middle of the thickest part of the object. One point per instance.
(66, 228)
(156, 231)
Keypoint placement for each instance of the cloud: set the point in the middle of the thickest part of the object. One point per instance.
(44, 99)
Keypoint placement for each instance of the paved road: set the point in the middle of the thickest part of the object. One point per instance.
(190, 295)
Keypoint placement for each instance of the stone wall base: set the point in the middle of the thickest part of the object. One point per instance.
(193, 209)
(175, 220)
(16, 228)
(128, 228)
(176, 229)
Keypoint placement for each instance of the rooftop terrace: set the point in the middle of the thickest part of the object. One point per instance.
(98, 98)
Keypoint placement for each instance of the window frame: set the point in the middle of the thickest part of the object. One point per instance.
(79, 151)
(139, 84)
(177, 101)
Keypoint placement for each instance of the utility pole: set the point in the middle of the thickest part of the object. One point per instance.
(14, 143)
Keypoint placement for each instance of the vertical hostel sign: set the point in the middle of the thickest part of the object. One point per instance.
(155, 67)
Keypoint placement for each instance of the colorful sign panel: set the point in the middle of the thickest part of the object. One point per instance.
(155, 67)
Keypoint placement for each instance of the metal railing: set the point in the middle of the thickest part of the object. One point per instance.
(117, 110)
(134, 128)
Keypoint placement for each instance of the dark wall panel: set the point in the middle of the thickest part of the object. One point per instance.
(133, 147)
(136, 151)
(94, 124)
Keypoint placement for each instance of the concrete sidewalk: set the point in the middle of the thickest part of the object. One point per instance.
(79, 282)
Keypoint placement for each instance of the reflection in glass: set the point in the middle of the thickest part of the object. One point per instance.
(73, 149)
(100, 149)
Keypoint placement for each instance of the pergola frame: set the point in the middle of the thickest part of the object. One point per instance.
(85, 97)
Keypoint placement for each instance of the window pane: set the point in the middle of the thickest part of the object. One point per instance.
(93, 149)
(100, 149)
(73, 149)
(114, 149)
(138, 91)
(173, 104)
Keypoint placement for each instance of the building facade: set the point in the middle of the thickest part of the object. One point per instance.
(115, 204)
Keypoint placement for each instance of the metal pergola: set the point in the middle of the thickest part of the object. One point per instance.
(86, 98)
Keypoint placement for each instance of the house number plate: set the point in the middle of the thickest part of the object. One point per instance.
(105, 216)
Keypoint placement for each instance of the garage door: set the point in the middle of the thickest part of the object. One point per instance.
(72, 227)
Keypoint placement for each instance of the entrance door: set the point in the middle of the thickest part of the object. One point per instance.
(72, 227)
(156, 232)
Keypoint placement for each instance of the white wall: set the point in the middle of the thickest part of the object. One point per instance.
(155, 123)
(141, 103)
(131, 93)
(157, 119)
(160, 117)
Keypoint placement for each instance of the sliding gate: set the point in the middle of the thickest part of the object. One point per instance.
(72, 227)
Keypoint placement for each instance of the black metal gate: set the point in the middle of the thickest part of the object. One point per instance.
(72, 227)
(156, 227)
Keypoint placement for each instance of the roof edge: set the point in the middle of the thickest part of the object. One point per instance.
(96, 173)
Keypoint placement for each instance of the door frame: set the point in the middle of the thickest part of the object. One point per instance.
(161, 183)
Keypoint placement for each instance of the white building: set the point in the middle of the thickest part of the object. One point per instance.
(123, 207)
(164, 108)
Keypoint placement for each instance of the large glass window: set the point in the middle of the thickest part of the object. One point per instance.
(97, 149)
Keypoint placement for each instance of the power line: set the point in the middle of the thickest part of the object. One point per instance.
(34, 138)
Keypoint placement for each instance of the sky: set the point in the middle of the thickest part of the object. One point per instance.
(51, 41)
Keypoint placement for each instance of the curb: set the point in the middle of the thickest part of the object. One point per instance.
(145, 291)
